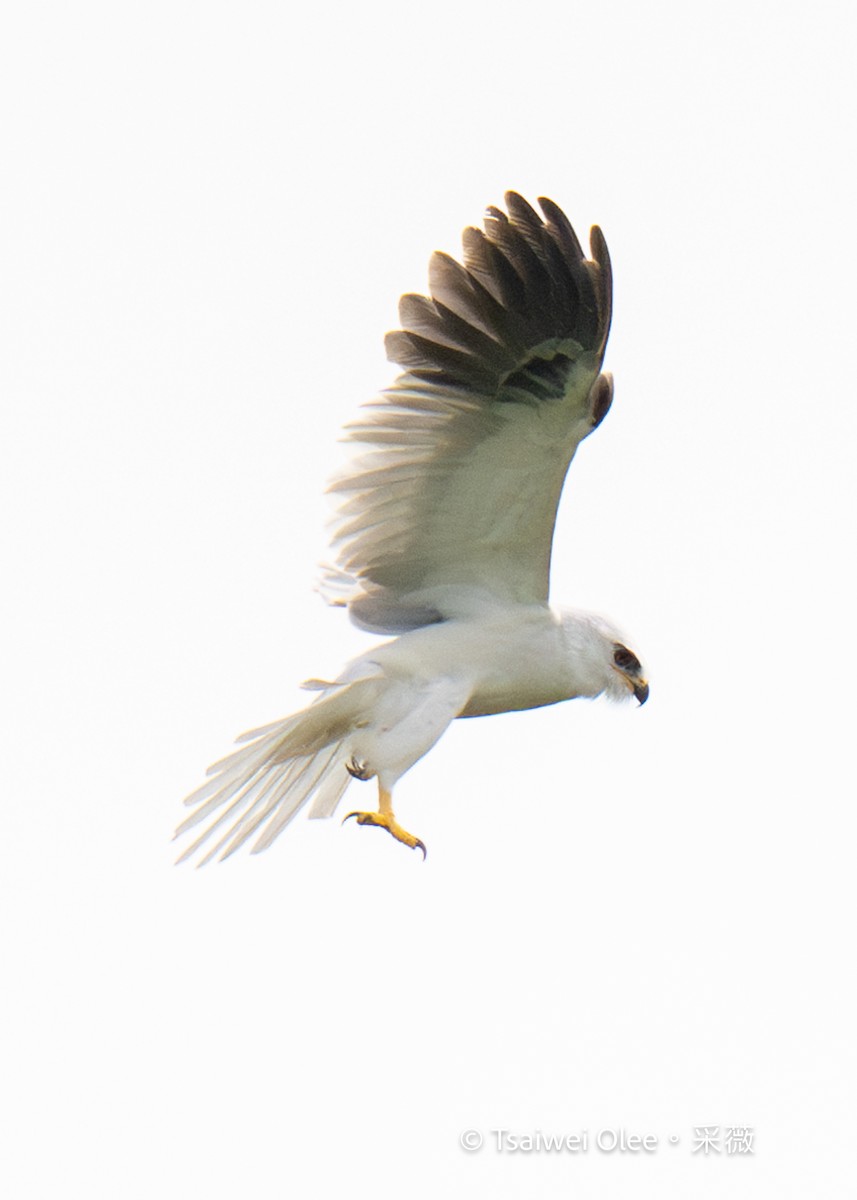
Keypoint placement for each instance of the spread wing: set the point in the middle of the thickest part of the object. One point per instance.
(452, 504)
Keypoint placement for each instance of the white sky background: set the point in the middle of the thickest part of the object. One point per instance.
(627, 918)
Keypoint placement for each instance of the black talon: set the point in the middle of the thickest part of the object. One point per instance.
(357, 770)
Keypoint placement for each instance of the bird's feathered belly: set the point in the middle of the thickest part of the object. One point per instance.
(505, 698)
(518, 683)
(510, 659)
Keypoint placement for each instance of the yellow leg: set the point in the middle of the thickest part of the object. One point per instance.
(384, 819)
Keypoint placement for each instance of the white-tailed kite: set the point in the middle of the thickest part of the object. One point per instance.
(444, 531)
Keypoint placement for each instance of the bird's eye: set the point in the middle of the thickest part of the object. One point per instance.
(625, 660)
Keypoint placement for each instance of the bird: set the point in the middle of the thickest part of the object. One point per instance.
(443, 534)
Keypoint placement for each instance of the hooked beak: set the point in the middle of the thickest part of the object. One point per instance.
(638, 688)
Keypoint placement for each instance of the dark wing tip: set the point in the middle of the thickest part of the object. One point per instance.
(522, 212)
(598, 246)
(524, 282)
(603, 277)
(561, 227)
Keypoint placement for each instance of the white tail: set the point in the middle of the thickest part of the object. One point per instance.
(264, 784)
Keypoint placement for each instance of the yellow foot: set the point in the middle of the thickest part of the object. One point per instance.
(388, 821)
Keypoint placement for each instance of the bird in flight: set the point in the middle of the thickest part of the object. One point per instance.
(443, 534)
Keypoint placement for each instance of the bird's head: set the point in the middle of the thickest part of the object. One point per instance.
(602, 658)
